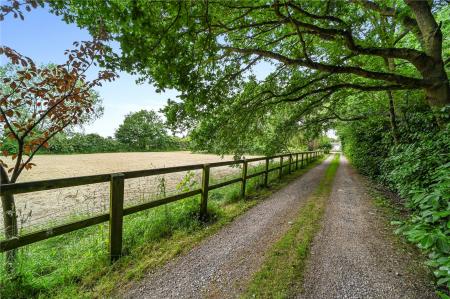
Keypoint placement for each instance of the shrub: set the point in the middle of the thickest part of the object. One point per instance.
(429, 224)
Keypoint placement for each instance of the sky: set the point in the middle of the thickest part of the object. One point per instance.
(44, 38)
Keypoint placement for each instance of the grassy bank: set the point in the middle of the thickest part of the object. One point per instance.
(76, 265)
(283, 269)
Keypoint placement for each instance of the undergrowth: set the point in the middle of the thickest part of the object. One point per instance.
(76, 265)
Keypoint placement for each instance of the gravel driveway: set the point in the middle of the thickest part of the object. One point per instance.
(353, 255)
(222, 265)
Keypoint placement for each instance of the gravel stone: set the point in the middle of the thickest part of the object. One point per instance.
(353, 256)
(222, 265)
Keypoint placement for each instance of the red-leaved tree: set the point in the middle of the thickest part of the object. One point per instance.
(39, 102)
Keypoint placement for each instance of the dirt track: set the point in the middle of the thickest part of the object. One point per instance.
(221, 266)
(57, 205)
(354, 255)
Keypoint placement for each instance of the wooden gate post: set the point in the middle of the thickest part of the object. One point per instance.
(301, 161)
(281, 167)
(204, 194)
(116, 215)
(266, 176)
(296, 161)
(244, 178)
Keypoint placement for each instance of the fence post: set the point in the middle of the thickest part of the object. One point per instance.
(281, 167)
(244, 178)
(296, 161)
(301, 161)
(290, 163)
(266, 177)
(204, 194)
(116, 215)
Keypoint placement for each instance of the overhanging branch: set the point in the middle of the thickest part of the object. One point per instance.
(413, 83)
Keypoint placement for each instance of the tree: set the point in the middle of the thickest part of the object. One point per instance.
(143, 130)
(10, 71)
(317, 52)
(39, 102)
(193, 41)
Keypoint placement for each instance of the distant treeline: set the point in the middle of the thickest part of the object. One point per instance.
(140, 131)
(93, 143)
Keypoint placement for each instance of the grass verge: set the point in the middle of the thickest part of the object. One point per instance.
(282, 272)
(75, 265)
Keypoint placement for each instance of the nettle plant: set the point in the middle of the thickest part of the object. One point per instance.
(37, 103)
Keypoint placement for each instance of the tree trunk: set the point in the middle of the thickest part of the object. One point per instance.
(392, 117)
(9, 220)
(438, 95)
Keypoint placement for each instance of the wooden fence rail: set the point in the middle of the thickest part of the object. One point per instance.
(117, 183)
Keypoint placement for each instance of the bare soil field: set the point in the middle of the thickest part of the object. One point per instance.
(42, 208)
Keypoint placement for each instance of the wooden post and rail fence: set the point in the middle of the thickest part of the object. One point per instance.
(116, 206)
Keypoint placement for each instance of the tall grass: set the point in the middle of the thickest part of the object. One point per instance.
(76, 264)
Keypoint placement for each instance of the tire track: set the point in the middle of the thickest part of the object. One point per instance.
(222, 265)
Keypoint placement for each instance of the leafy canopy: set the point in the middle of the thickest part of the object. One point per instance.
(315, 53)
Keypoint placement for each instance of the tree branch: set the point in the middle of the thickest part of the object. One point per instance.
(418, 58)
(337, 87)
(399, 79)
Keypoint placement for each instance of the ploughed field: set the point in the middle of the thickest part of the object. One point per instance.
(43, 208)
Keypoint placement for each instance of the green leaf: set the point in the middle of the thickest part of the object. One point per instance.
(427, 241)
(443, 295)
(443, 280)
